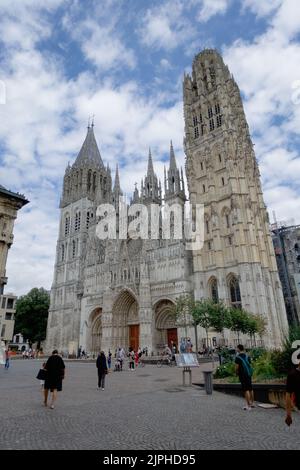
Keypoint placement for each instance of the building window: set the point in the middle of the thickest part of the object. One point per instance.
(3, 302)
(89, 180)
(67, 226)
(62, 252)
(73, 248)
(227, 221)
(207, 226)
(8, 316)
(195, 121)
(218, 115)
(235, 293)
(196, 132)
(201, 166)
(209, 245)
(230, 241)
(223, 181)
(220, 158)
(214, 290)
(211, 125)
(10, 303)
(203, 187)
(210, 112)
(77, 221)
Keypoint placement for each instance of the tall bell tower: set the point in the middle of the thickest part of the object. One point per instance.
(237, 263)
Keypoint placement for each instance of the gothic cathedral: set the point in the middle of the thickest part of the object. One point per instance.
(120, 292)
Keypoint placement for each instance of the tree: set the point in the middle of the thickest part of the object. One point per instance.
(182, 310)
(239, 321)
(31, 315)
(203, 313)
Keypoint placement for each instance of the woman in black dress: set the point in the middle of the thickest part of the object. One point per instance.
(102, 369)
(55, 369)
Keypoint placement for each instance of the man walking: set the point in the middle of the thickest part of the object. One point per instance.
(244, 371)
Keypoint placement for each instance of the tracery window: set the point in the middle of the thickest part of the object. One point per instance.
(235, 293)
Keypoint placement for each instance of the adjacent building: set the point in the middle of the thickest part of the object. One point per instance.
(286, 240)
(7, 316)
(10, 203)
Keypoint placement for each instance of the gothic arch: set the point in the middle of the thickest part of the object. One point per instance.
(125, 320)
(94, 325)
(213, 288)
(226, 217)
(234, 291)
(165, 329)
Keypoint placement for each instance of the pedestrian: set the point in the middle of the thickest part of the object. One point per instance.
(189, 346)
(292, 396)
(102, 369)
(109, 359)
(7, 358)
(244, 371)
(136, 358)
(55, 368)
(131, 359)
(182, 347)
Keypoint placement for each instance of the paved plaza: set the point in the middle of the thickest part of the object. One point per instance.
(144, 409)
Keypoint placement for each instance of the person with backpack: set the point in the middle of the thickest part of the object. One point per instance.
(244, 371)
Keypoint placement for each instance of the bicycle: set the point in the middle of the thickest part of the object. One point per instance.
(166, 361)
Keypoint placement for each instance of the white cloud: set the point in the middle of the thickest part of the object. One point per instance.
(101, 45)
(261, 7)
(166, 26)
(210, 8)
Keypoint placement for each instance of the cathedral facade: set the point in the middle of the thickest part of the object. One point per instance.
(120, 292)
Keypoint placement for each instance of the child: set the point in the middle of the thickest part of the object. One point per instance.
(42, 374)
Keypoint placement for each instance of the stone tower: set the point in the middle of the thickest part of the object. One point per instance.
(237, 263)
(86, 184)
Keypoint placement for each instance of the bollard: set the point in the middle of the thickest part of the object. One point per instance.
(208, 383)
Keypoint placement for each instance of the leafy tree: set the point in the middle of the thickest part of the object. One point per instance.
(183, 308)
(239, 321)
(31, 315)
(203, 314)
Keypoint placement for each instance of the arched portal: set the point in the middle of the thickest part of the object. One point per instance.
(95, 325)
(125, 321)
(165, 329)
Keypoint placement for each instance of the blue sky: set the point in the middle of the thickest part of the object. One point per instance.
(123, 61)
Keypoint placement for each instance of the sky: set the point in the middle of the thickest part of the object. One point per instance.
(123, 61)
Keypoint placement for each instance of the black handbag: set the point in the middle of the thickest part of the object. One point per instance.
(42, 374)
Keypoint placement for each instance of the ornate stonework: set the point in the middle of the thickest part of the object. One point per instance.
(119, 293)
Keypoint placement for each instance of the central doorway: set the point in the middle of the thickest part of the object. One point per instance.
(165, 329)
(134, 336)
(172, 337)
(125, 321)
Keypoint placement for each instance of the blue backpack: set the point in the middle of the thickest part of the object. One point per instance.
(247, 367)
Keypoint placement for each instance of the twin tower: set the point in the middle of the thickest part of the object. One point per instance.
(107, 294)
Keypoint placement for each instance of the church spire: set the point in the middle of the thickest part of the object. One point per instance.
(173, 165)
(89, 155)
(117, 186)
(150, 171)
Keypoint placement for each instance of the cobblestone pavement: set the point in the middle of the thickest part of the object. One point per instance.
(144, 409)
